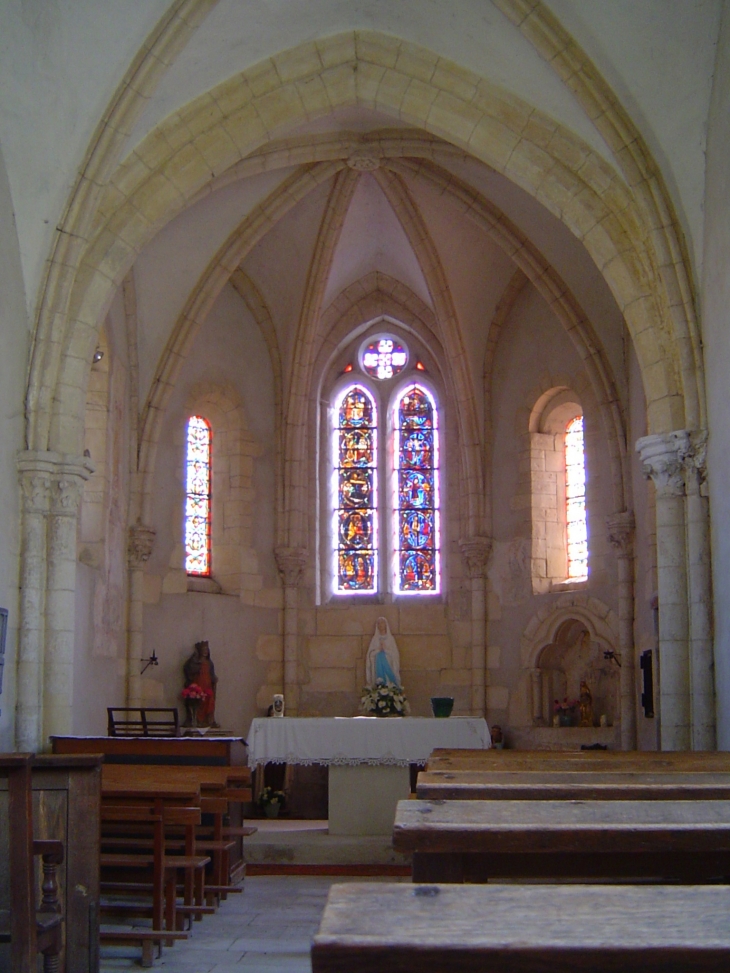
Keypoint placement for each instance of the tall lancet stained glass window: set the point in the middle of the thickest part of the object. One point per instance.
(416, 451)
(197, 501)
(575, 500)
(356, 554)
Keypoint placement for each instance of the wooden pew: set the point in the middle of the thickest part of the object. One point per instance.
(213, 801)
(391, 928)
(475, 841)
(542, 785)
(31, 930)
(604, 761)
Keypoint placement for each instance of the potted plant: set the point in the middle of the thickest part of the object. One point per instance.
(271, 801)
(384, 699)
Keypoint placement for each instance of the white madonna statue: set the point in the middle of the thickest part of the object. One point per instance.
(382, 662)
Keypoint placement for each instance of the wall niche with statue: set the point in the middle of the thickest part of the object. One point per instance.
(573, 670)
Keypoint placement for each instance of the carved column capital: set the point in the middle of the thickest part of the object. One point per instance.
(661, 458)
(139, 547)
(36, 488)
(621, 527)
(291, 562)
(693, 455)
(476, 551)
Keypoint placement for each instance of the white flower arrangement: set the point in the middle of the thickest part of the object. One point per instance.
(384, 699)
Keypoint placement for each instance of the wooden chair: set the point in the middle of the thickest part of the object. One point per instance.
(388, 928)
(31, 930)
(129, 721)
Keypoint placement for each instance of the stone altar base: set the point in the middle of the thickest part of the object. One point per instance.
(362, 798)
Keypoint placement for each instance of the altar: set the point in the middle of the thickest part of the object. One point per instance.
(368, 758)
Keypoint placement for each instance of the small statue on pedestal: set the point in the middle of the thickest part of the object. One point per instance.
(199, 670)
(382, 662)
(585, 705)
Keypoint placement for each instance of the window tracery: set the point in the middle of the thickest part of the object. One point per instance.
(417, 502)
(198, 497)
(575, 501)
(356, 512)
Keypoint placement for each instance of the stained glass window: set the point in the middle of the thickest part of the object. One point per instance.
(384, 358)
(355, 527)
(197, 502)
(575, 500)
(416, 451)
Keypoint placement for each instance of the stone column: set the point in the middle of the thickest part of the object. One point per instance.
(621, 537)
(291, 562)
(693, 452)
(536, 686)
(475, 552)
(67, 486)
(35, 481)
(141, 541)
(661, 462)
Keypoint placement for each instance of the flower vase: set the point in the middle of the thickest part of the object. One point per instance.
(271, 810)
(194, 705)
(566, 717)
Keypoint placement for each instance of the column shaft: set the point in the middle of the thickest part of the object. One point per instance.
(660, 454)
(141, 541)
(621, 537)
(66, 492)
(36, 486)
(291, 562)
(475, 551)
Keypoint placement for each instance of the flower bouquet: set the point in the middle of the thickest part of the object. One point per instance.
(384, 699)
(271, 801)
(193, 695)
(564, 712)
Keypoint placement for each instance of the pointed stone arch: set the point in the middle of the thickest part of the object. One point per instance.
(179, 158)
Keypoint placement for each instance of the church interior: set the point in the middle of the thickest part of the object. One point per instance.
(323, 317)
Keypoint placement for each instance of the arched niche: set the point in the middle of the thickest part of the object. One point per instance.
(573, 642)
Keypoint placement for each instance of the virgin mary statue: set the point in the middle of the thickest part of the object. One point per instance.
(382, 662)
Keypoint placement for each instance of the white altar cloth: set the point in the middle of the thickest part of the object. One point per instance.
(348, 741)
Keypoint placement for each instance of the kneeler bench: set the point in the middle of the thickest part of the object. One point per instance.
(395, 928)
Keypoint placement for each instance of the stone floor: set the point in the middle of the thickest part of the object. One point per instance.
(267, 928)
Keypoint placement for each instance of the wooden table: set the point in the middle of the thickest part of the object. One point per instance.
(456, 841)
(498, 785)
(387, 928)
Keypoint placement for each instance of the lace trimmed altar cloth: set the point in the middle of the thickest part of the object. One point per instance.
(348, 741)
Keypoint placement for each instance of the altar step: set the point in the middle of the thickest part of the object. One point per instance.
(291, 847)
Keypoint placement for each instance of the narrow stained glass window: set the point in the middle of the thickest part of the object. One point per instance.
(197, 501)
(355, 527)
(416, 451)
(575, 500)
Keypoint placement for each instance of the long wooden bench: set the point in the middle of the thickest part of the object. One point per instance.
(475, 841)
(604, 761)
(542, 785)
(387, 928)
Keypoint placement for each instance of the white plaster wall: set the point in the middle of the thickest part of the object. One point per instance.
(470, 32)
(533, 351)
(559, 247)
(658, 56)
(716, 331)
(373, 239)
(279, 265)
(14, 346)
(172, 263)
(101, 585)
(477, 271)
(60, 62)
(230, 352)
